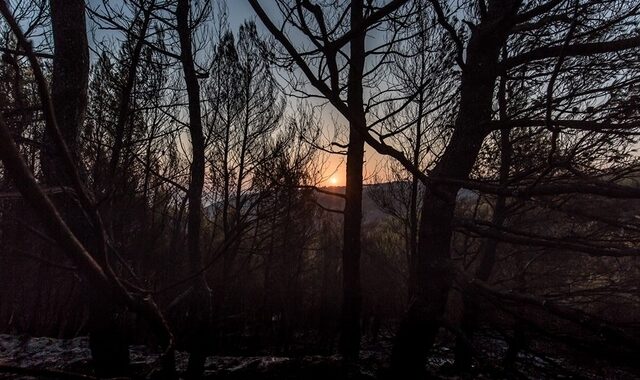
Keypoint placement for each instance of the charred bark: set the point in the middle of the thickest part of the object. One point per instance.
(199, 303)
(108, 343)
(352, 292)
(70, 81)
(432, 276)
(488, 251)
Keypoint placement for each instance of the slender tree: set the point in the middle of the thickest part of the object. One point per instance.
(339, 77)
(201, 303)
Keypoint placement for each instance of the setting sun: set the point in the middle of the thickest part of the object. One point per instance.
(389, 189)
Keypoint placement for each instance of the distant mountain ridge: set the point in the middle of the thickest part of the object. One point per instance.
(371, 210)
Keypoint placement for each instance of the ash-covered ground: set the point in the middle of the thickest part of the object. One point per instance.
(73, 356)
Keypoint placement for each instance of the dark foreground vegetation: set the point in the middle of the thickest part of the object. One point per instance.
(165, 209)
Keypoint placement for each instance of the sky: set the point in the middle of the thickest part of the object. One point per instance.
(334, 172)
(239, 11)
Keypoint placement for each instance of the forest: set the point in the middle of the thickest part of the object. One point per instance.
(319, 189)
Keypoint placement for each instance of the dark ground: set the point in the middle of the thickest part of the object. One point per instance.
(73, 355)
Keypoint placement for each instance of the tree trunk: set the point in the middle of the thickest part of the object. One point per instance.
(199, 303)
(415, 181)
(352, 292)
(488, 252)
(432, 275)
(69, 84)
(108, 343)
(413, 205)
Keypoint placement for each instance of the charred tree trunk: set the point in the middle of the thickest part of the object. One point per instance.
(413, 205)
(108, 342)
(432, 276)
(199, 303)
(352, 292)
(488, 252)
(417, 147)
(69, 84)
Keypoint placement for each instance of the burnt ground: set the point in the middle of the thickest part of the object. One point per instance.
(72, 355)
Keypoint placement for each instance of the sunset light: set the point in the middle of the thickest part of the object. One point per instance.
(320, 189)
